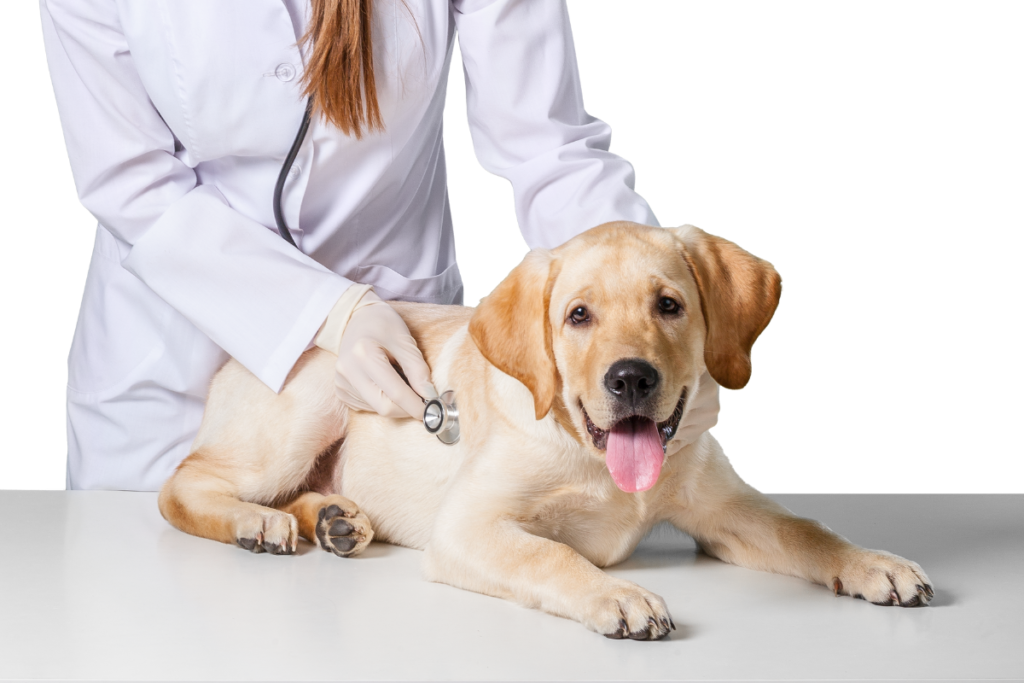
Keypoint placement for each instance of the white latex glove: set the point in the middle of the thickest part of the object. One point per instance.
(368, 335)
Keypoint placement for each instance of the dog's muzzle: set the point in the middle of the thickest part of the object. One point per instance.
(666, 429)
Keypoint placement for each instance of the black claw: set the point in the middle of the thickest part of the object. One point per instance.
(673, 623)
(912, 602)
(341, 528)
(859, 596)
(247, 543)
(929, 591)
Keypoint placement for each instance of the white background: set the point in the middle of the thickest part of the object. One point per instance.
(873, 151)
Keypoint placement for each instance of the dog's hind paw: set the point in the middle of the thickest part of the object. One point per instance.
(271, 532)
(341, 528)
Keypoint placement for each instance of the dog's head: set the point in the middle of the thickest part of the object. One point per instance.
(620, 322)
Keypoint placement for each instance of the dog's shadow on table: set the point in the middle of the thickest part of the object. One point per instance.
(664, 546)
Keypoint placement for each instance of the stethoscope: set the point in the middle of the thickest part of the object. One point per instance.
(441, 417)
(441, 414)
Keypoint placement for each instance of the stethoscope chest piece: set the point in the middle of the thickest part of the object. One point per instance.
(441, 417)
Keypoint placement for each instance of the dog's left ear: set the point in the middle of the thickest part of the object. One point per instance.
(512, 331)
(739, 294)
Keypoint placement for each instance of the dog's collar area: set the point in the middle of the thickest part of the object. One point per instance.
(666, 429)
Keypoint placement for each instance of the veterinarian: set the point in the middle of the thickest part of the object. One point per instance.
(177, 117)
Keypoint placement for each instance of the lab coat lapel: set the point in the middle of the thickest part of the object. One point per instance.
(236, 87)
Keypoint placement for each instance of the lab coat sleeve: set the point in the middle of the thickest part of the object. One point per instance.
(528, 123)
(258, 298)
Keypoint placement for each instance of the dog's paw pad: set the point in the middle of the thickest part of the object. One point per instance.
(333, 510)
(278, 548)
(342, 529)
(251, 544)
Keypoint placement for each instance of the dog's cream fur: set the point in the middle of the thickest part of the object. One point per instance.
(523, 507)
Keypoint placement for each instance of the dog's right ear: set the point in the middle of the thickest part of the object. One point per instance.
(512, 331)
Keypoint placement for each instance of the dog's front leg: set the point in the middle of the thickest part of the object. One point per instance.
(736, 523)
(498, 557)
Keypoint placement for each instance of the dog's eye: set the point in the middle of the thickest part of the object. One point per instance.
(669, 306)
(579, 315)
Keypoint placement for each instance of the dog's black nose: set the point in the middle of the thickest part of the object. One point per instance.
(631, 380)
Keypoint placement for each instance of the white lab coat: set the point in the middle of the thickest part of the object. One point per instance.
(177, 116)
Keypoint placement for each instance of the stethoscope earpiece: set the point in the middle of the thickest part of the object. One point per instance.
(441, 417)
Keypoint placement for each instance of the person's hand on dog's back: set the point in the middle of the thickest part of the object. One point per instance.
(370, 338)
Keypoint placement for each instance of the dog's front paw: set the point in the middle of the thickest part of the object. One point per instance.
(341, 528)
(267, 531)
(884, 579)
(625, 610)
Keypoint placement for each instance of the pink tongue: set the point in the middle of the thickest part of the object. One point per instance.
(634, 454)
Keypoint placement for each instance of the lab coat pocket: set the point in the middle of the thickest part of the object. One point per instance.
(121, 328)
(130, 344)
(443, 288)
(110, 343)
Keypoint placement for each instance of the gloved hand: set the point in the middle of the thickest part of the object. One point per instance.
(368, 335)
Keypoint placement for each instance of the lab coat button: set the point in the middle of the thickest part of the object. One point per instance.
(284, 72)
(294, 171)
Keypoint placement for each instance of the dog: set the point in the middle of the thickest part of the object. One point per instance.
(572, 378)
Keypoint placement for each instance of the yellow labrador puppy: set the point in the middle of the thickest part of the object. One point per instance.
(572, 378)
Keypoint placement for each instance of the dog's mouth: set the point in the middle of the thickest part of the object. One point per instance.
(635, 446)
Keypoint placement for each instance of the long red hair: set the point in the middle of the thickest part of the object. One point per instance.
(339, 73)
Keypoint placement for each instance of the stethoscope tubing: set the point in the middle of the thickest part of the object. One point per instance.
(447, 429)
(282, 226)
